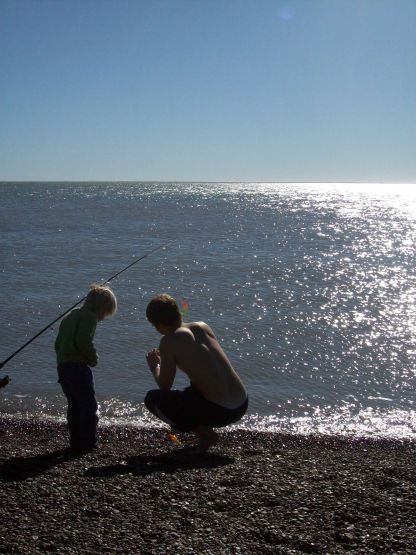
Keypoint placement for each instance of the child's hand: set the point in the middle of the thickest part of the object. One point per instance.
(153, 358)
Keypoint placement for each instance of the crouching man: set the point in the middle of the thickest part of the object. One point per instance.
(216, 396)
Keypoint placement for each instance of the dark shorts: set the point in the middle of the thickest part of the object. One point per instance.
(187, 409)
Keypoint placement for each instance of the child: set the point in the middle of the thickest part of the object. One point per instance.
(75, 353)
(216, 396)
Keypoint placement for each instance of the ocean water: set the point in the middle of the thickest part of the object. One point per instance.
(311, 288)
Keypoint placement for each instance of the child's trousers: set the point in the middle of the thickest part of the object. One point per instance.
(78, 386)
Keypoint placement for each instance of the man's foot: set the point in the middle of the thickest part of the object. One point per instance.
(205, 438)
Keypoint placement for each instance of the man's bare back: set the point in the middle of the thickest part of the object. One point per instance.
(216, 396)
(194, 348)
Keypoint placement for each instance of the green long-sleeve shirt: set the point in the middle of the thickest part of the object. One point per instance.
(74, 342)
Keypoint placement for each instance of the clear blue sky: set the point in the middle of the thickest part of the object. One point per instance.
(252, 90)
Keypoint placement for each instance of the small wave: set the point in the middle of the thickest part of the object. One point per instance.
(395, 424)
(344, 420)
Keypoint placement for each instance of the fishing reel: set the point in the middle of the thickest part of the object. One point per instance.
(5, 381)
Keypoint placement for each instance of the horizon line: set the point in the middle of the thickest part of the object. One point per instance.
(200, 181)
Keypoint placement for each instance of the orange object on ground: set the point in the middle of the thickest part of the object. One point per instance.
(173, 438)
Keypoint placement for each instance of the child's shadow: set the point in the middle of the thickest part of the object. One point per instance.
(18, 469)
(168, 463)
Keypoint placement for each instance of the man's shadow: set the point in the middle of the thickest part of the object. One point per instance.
(18, 469)
(167, 463)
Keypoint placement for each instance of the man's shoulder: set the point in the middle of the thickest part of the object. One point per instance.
(183, 333)
(199, 324)
(190, 327)
(194, 331)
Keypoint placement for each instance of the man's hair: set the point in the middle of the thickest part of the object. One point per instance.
(101, 297)
(163, 309)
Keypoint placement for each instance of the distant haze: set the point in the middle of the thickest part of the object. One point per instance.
(221, 90)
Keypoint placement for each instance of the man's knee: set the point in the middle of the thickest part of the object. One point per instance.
(151, 398)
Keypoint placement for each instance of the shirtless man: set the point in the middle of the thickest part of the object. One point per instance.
(216, 396)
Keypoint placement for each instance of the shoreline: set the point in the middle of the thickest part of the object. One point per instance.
(256, 492)
(394, 425)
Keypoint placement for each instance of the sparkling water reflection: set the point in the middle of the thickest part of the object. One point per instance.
(310, 287)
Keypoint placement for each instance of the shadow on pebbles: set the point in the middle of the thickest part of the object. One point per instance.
(254, 493)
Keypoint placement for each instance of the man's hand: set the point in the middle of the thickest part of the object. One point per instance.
(153, 359)
(162, 364)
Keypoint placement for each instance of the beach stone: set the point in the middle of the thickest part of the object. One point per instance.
(320, 495)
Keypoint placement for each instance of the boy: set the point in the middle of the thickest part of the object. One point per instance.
(75, 353)
(216, 396)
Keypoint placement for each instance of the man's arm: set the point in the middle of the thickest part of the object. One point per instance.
(163, 364)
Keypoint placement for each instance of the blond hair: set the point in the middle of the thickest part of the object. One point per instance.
(101, 297)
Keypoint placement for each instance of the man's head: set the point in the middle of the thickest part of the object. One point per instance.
(101, 300)
(163, 312)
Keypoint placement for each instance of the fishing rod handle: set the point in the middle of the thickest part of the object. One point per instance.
(5, 381)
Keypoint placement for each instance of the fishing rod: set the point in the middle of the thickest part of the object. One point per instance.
(6, 379)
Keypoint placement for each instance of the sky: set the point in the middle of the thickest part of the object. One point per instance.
(208, 90)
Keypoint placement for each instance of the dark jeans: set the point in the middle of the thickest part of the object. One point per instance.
(78, 385)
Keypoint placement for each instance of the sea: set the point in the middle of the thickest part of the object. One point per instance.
(309, 287)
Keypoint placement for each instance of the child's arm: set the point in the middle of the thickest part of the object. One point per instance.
(84, 340)
(58, 340)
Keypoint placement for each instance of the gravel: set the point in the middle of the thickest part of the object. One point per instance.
(254, 493)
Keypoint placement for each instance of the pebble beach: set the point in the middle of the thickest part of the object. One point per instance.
(253, 493)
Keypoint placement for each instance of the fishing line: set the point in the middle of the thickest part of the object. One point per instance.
(5, 380)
